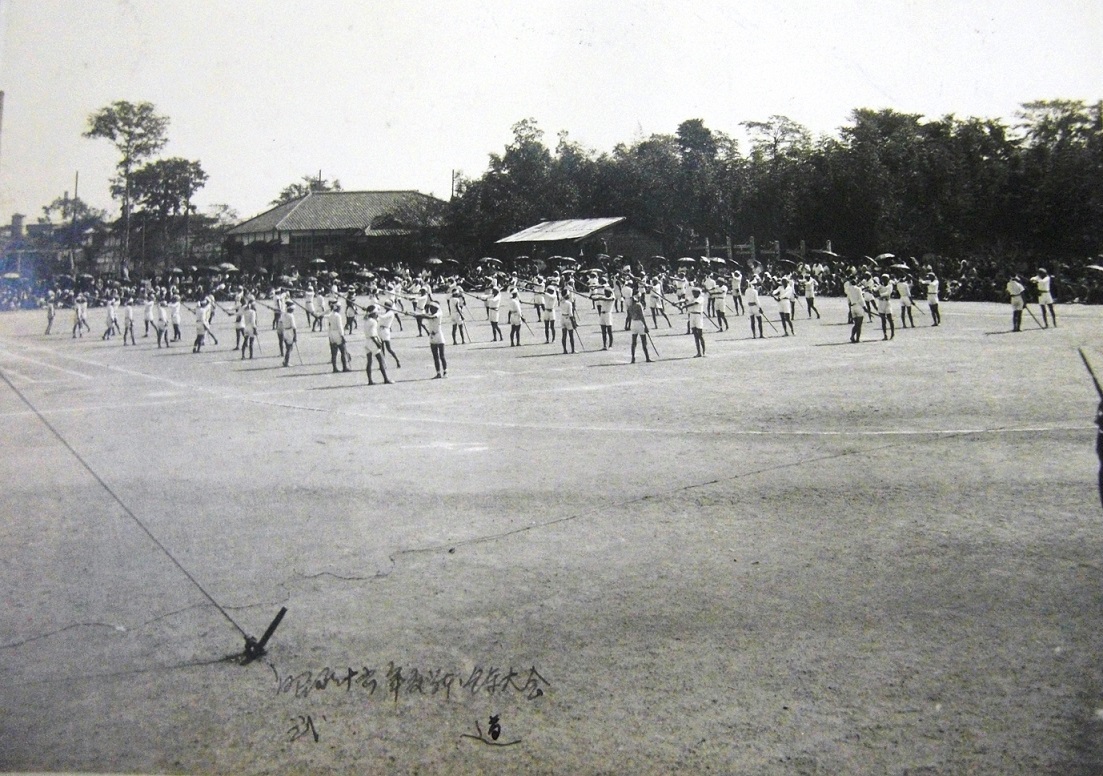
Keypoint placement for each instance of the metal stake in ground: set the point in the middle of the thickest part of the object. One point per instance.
(254, 648)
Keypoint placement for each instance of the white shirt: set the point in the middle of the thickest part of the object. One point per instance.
(696, 310)
(932, 291)
(336, 323)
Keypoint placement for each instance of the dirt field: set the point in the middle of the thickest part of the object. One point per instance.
(793, 556)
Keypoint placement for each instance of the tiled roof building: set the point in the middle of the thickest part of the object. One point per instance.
(370, 227)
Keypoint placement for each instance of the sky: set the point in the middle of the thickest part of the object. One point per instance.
(397, 95)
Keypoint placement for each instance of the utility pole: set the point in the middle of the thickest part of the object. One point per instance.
(73, 226)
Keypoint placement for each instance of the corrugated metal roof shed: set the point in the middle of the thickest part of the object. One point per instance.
(340, 210)
(554, 231)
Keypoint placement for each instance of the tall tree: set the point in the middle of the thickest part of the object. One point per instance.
(138, 132)
(777, 173)
(300, 189)
(168, 185)
(71, 219)
(165, 189)
(1062, 169)
(64, 211)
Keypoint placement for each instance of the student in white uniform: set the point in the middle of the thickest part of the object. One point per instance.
(855, 297)
(493, 302)
(710, 301)
(335, 328)
(456, 307)
(932, 298)
(869, 294)
(810, 284)
(567, 320)
(884, 308)
(289, 332)
(201, 327)
(308, 306)
(605, 302)
(350, 311)
(174, 316)
(737, 293)
(538, 285)
(548, 314)
(211, 306)
(904, 289)
(720, 303)
(78, 316)
(637, 321)
(161, 322)
(112, 320)
(249, 332)
(148, 315)
(386, 320)
(419, 300)
(754, 309)
(128, 322)
(432, 321)
(316, 310)
(656, 303)
(1045, 297)
(785, 296)
(516, 318)
(239, 326)
(1015, 290)
(627, 293)
(696, 309)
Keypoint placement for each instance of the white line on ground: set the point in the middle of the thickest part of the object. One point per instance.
(98, 407)
(81, 375)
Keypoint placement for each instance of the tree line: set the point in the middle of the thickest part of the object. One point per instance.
(994, 194)
(973, 188)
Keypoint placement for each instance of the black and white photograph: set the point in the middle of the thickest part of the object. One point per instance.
(417, 388)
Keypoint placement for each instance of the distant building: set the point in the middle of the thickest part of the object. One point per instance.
(32, 250)
(583, 239)
(372, 228)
